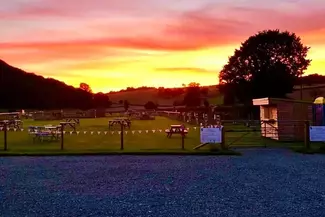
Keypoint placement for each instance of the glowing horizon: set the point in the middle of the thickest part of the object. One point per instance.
(114, 44)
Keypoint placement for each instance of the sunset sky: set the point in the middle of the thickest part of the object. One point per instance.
(112, 44)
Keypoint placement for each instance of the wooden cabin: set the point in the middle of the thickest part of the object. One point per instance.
(283, 119)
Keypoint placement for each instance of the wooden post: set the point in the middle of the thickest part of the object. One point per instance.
(307, 135)
(183, 138)
(301, 92)
(223, 138)
(62, 137)
(5, 137)
(122, 136)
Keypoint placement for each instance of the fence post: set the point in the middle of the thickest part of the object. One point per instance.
(5, 137)
(307, 136)
(183, 139)
(62, 136)
(122, 136)
(223, 138)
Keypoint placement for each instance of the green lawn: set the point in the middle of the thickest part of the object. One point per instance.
(144, 136)
(94, 136)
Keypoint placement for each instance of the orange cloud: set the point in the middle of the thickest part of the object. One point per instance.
(188, 69)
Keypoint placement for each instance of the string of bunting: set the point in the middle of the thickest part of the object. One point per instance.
(94, 132)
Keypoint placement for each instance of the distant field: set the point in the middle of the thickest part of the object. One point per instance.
(308, 92)
(143, 96)
(214, 97)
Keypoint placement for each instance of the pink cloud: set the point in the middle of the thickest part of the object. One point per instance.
(191, 30)
(188, 31)
(78, 8)
(297, 21)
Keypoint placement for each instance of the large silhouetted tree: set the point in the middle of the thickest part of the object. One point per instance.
(266, 65)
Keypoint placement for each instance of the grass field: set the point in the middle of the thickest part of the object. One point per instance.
(93, 136)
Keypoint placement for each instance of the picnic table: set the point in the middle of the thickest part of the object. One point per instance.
(120, 121)
(16, 124)
(69, 124)
(75, 120)
(42, 133)
(176, 129)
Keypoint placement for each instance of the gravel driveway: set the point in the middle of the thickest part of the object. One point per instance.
(263, 182)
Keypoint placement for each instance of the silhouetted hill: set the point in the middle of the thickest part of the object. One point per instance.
(22, 90)
(313, 79)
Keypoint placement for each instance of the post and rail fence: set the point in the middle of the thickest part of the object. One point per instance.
(235, 133)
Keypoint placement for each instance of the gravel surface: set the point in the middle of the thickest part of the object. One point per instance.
(261, 183)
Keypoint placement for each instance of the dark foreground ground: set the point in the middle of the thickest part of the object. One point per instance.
(261, 183)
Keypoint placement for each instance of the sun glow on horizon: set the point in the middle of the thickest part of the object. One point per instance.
(111, 45)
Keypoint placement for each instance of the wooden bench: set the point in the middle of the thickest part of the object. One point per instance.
(12, 124)
(69, 124)
(75, 120)
(125, 122)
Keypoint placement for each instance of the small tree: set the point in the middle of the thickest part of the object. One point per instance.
(85, 87)
(126, 105)
(192, 97)
(150, 105)
(178, 103)
(101, 100)
(206, 103)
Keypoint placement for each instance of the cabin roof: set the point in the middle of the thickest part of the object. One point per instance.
(274, 101)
